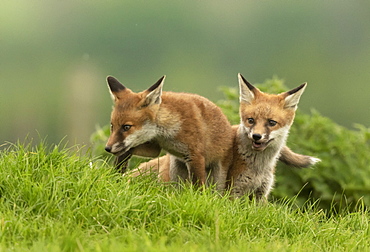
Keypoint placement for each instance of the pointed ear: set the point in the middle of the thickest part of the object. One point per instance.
(114, 87)
(246, 90)
(293, 96)
(154, 93)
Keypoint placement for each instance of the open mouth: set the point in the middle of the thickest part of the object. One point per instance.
(120, 151)
(124, 152)
(260, 146)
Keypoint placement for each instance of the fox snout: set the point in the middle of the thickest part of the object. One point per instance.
(115, 149)
(108, 148)
(256, 137)
(260, 142)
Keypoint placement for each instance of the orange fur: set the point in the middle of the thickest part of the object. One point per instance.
(187, 126)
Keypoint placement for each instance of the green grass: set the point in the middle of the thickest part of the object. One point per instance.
(59, 199)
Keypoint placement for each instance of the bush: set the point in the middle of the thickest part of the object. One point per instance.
(340, 180)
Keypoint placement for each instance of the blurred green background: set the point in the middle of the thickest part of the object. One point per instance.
(55, 56)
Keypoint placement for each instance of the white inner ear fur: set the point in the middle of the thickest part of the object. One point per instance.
(154, 97)
(112, 96)
(246, 95)
(292, 100)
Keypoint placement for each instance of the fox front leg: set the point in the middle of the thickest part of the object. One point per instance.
(197, 169)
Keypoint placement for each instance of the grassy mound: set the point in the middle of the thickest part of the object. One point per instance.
(58, 199)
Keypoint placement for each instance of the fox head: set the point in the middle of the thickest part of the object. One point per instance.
(266, 118)
(133, 115)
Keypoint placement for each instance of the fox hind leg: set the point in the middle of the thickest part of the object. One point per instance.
(217, 175)
(178, 170)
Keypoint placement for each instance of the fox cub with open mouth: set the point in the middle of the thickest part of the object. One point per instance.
(192, 129)
(260, 139)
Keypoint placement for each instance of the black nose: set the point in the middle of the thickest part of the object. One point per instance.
(108, 148)
(256, 137)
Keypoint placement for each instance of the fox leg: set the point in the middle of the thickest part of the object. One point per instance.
(197, 169)
(177, 169)
(217, 175)
(260, 193)
(159, 166)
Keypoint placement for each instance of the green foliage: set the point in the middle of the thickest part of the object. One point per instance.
(98, 139)
(343, 176)
(57, 199)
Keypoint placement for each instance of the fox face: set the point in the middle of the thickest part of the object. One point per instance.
(266, 118)
(132, 118)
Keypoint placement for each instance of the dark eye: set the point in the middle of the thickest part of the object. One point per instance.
(111, 127)
(250, 120)
(126, 127)
(272, 123)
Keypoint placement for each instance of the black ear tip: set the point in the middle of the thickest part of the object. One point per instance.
(156, 85)
(114, 84)
(249, 85)
(162, 78)
(111, 79)
(295, 90)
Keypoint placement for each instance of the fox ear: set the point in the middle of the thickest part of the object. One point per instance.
(114, 87)
(293, 96)
(246, 90)
(154, 93)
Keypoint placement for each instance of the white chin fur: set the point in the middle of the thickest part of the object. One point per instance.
(117, 149)
(280, 135)
(145, 134)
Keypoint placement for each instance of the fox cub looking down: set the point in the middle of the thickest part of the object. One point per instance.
(192, 129)
(258, 142)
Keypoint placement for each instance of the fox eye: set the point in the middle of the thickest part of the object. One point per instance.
(272, 123)
(250, 120)
(126, 127)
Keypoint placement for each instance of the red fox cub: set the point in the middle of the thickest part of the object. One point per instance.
(264, 126)
(258, 142)
(192, 129)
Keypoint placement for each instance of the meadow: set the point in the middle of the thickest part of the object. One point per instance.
(63, 198)
(54, 59)
(55, 198)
